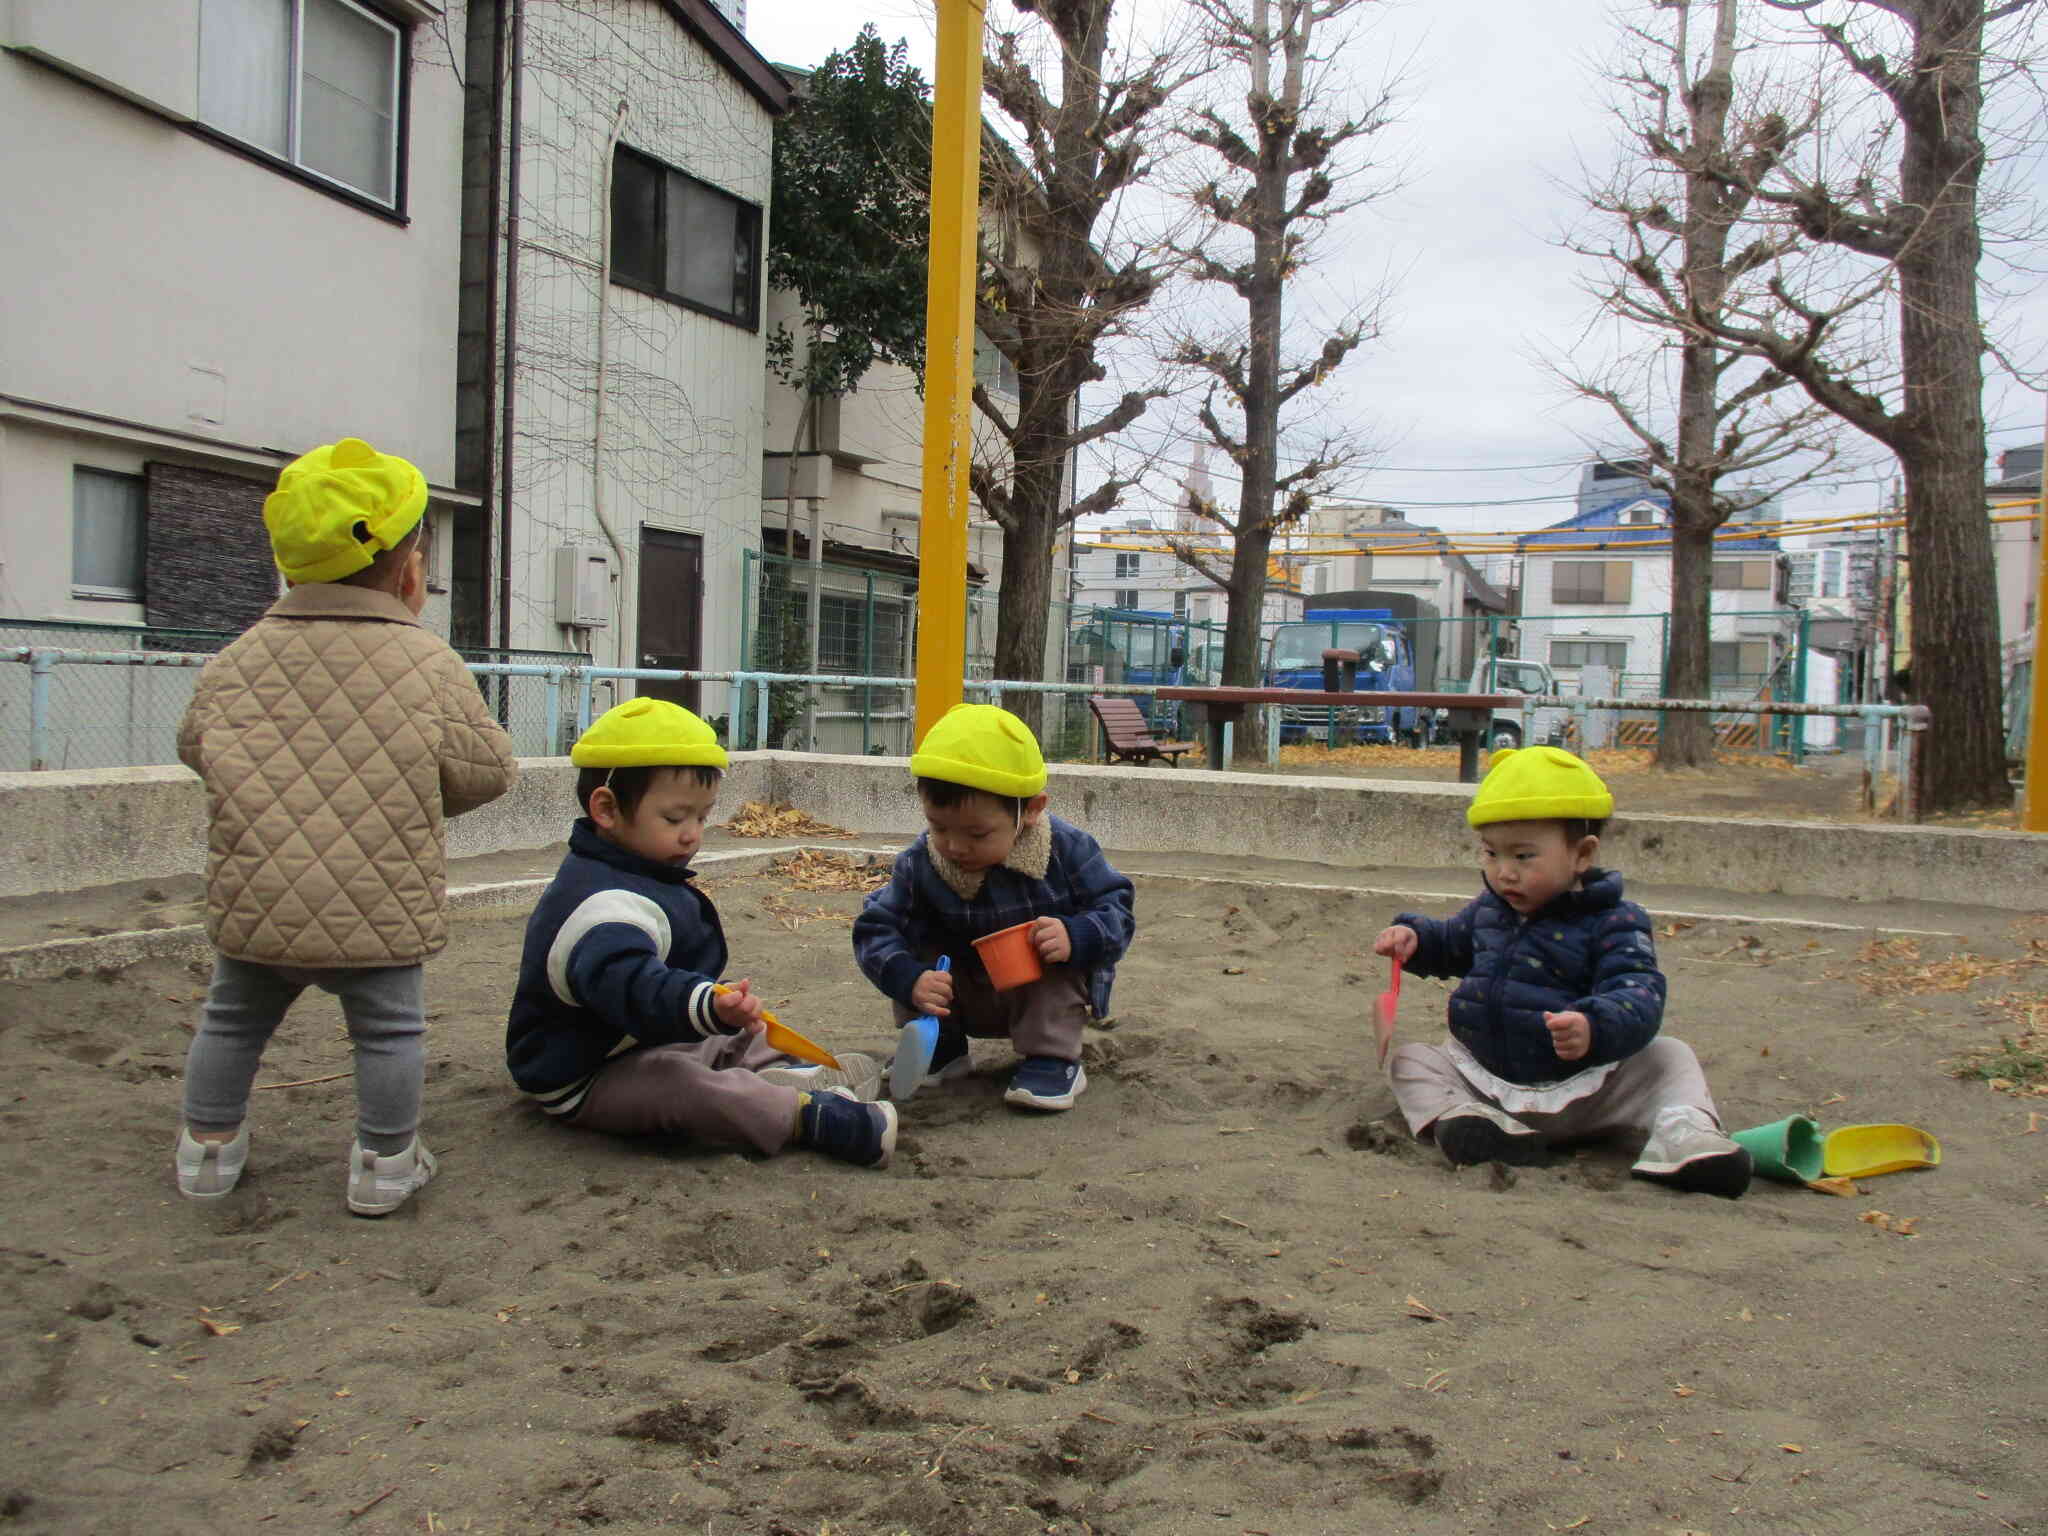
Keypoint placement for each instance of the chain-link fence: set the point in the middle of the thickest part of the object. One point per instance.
(96, 714)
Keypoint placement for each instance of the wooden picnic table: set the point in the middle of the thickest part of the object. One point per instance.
(1471, 713)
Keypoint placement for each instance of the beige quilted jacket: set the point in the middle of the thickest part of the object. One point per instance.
(335, 737)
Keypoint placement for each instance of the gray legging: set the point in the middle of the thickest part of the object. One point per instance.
(385, 1009)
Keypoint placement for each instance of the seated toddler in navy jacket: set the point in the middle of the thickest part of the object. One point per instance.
(994, 857)
(1554, 1025)
(619, 1022)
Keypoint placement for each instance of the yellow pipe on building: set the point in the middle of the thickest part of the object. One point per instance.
(2035, 817)
(949, 361)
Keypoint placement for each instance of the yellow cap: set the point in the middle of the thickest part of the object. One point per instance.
(337, 507)
(1539, 784)
(648, 733)
(984, 748)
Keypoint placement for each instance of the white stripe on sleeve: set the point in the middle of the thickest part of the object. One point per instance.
(612, 906)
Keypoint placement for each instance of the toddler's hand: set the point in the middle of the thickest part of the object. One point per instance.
(933, 994)
(1050, 937)
(738, 1009)
(1571, 1034)
(1399, 941)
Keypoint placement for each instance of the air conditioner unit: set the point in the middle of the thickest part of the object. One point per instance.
(583, 586)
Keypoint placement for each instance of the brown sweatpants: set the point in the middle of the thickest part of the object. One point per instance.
(705, 1089)
(1044, 1019)
(1426, 1083)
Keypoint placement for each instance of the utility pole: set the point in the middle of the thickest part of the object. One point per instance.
(949, 362)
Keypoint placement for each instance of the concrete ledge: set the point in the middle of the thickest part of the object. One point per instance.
(1395, 824)
(66, 831)
(99, 826)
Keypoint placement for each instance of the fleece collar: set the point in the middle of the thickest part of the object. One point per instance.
(1030, 855)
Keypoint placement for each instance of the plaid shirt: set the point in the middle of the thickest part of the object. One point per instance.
(917, 917)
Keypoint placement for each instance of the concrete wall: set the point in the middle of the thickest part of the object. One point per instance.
(68, 830)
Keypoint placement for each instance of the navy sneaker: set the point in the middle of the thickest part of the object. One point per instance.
(1046, 1082)
(839, 1125)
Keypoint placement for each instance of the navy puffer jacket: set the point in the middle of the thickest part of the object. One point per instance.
(1588, 952)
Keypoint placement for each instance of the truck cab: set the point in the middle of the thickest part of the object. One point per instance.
(1515, 674)
(1386, 663)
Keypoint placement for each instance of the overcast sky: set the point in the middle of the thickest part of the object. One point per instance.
(1500, 101)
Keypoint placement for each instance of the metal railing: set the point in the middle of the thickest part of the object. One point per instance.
(568, 704)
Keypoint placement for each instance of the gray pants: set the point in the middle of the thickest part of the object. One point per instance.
(385, 1009)
(1663, 1073)
(705, 1089)
(1046, 1018)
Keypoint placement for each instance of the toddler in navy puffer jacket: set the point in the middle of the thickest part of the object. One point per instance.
(1554, 1025)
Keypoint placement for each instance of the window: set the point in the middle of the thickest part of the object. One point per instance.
(1126, 565)
(1612, 654)
(1830, 573)
(1590, 581)
(1739, 661)
(684, 240)
(314, 83)
(993, 371)
(106, 534)
(1742, 575)
(1180, 604)
(1126, 597)
(843, 636)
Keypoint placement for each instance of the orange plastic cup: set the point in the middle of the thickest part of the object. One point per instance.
(1010, 957)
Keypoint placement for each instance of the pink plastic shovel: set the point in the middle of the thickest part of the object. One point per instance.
(1385, 1007)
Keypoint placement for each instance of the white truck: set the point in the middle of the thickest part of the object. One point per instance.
(1514, 674)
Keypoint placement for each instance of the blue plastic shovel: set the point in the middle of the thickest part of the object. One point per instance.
(914, 1049)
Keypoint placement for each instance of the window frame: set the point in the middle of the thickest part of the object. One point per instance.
(91, 591)
(1740, 571)
(1125, 598)
(1126, 563)
(1582, 642)
(751, 213)
(401, 122)
(1605, 568)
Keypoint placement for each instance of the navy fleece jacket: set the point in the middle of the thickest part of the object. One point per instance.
(620, 949)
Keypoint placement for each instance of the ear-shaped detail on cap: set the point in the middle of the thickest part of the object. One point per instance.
(353, 453)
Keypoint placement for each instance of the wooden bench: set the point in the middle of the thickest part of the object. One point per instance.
(1128, 738)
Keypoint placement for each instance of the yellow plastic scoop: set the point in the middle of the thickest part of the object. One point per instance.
(1865, 1151)
(788, 1041)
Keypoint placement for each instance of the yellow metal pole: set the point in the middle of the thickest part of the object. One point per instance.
(2035, 817)
(949, 361)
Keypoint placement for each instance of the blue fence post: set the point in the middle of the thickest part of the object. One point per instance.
(586, 689)
(40, 665)
(760, 714)
(553, 683)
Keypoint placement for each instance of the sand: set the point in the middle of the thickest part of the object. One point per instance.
(1226, 1294)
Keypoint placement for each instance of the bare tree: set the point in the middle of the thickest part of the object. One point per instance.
(1684, 236)
(1050, 296)
(1289, 166)
(1924, 60)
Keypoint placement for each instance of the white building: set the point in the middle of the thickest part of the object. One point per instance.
(613, 344)
(2016, 545)
(1596, 592)
(232, 235)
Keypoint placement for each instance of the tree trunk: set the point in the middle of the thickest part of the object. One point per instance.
(1024, 596)
(1684, 739)
(1948, 533)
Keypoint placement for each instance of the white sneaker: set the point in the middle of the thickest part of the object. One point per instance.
(377, 1186)
(208, 1169)
(859, 1075)
(1688, 1151)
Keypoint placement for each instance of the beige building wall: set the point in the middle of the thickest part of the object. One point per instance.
(164, 297)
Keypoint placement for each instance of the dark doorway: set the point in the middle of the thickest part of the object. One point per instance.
(671, 611)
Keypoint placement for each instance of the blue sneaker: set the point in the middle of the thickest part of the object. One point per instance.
(1046, 1082)
(839, 1125)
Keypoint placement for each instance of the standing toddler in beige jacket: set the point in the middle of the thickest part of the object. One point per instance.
(335, 738)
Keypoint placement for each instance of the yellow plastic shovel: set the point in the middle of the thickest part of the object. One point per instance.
(1865, 1151)
(788, 1041)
